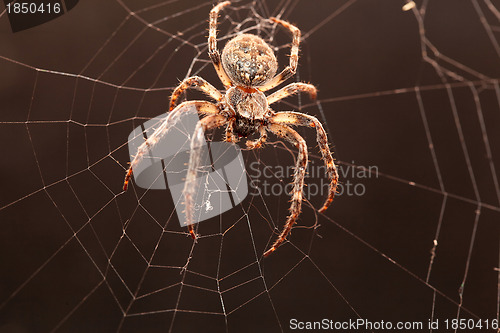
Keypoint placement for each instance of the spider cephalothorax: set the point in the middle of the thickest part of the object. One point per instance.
(250, 109)
(247, 69)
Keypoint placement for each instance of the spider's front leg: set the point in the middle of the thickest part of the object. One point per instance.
(301, 119)
(207, 123)
(203, 108)
(298, 180)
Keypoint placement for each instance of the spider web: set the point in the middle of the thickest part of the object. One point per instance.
(410, 99)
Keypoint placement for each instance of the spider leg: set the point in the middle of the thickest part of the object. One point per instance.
(300, 119)
(294, 57)
(230, 136)
(203, 108)
(213, 52)
(292, 89)
(254, 144)
(207, 123)
(298, 180)
(196, 82)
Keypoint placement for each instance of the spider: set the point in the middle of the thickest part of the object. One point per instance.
(247, 68)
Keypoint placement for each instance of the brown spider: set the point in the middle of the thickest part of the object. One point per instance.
(247, 69)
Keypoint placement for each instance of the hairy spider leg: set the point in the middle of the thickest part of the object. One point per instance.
(203, 108)
(298, 180)
(207, 123)
(292, 89)
(213, 52)
(300, 119)
(294, 57)
(194, 82)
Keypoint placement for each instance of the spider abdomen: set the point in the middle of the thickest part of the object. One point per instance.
(249, 61)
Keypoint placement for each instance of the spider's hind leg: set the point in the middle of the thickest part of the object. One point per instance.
(291, 69)
(213, 52)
